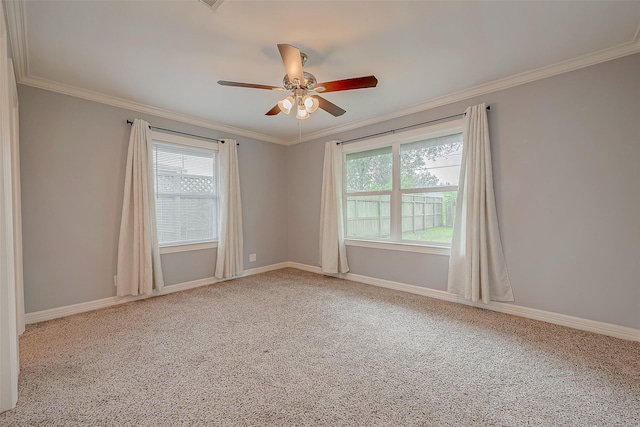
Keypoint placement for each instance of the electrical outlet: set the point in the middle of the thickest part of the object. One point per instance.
(252, 257)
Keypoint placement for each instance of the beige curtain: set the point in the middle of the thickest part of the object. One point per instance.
(139, 269)
(333, 252)
(477, 269)
(229, 261)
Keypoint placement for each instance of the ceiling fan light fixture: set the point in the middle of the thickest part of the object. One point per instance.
(310, 103)
(286, 104)
(302, 114)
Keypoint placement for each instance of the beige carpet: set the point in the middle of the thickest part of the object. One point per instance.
(295, 348)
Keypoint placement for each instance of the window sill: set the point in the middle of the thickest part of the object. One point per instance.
(187, 247)
(395, 246)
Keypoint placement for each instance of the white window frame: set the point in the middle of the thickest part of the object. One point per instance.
(162, 137)
(394, 140)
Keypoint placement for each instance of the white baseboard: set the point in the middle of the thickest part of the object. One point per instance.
(68, 310)
(602, 328)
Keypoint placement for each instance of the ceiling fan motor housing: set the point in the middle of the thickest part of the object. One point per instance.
(308, 84)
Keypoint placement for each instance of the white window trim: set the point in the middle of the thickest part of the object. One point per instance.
(399, 246)
(183, 140)
(395, 140)
(405, 137)
(169, 248)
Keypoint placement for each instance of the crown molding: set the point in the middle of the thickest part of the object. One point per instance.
(17, 26)
(142, 108)
(624, 49)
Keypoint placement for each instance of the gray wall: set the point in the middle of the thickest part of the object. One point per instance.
(571, 142)
(566, 156)
(73, 154)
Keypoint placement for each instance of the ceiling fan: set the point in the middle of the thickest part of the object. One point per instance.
(304, 86)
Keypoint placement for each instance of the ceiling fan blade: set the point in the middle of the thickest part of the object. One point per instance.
(292, 62)
(329, 107)
(274, 111)
(348, 84)
(249, 85)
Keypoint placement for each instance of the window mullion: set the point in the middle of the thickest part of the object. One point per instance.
(430, 189)
(396, 197)
(368, 193)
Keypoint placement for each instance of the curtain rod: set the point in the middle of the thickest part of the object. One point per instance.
(402, 128)
(129, 122)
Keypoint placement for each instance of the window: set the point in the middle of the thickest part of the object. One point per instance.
(402, 188)
(368, 188)
(186, 190)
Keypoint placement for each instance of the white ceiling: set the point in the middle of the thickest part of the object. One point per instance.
(170, 54)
